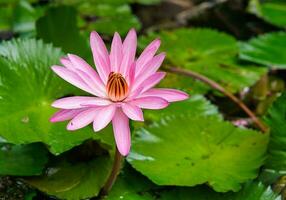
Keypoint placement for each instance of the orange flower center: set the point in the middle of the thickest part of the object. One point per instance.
(117, 87)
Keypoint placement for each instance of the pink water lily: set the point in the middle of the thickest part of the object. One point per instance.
(120, 86)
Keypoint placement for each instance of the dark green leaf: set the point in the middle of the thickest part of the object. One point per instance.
(273, 11)
(105, 16)
(251, 191)
(6, 16)
(25, 16)
(109, 25)
(268, 49)
(59, 26)
(276, 119)
(22, 160)
(74, 181)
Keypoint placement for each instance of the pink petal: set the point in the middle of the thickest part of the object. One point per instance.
(134, 93)
(131, 74)
(75, 102)
(63, 115)
(95, 85)
(75, 63)
(152, 80)
(150, 68)
(147, 55)
(103, 117)
(97, 102)
(121, 131)
(72, 78)
(116, 53)
(171, 95)
(81, 64)
(100, 56)
(82, 119)
(133, 112)
(67, 63)
(150, 103)
(129, 51)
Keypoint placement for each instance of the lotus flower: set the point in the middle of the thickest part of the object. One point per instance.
(121, 86)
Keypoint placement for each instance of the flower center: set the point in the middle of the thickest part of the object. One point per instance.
(117, 88)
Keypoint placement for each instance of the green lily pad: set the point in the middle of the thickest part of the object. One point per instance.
(268, 49)
(187, 150)
(74, 181)
(276, 119)
(184, 83)
(25, 16)
(28, 87)
(255, 191)
(114, 18)
(6, 16)
(251, 191)
(19, 16)
(110, 15)
(22, 160)
(59, 26)
(196, 105)
(272, 11)
(208, 52)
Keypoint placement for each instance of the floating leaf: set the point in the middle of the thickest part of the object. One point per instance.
(185, 83)
(74, 181)
(189, 149)
(59, 26)
(22, 160)
(251, 191)
(25, 16)
(28, 87)
(268, 49)
(273, 11)
(255, 191)
(109, 23)
(197, 105)
(19, 16)
(105, 16)
(6, 16)
(276, 119)
(208, 52)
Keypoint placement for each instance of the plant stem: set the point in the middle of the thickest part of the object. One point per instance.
(113, 175)
(218, 87)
